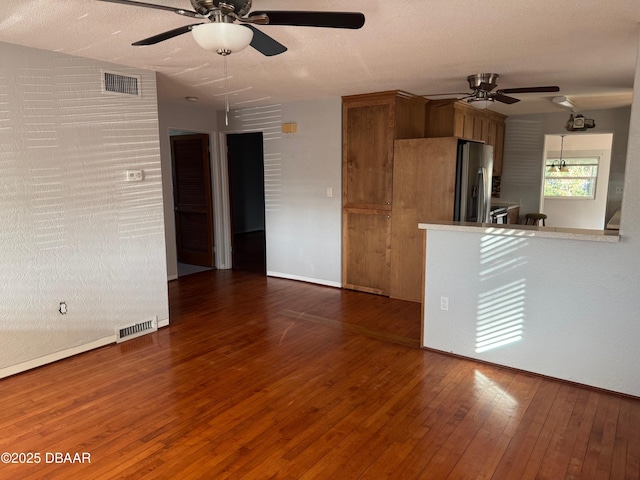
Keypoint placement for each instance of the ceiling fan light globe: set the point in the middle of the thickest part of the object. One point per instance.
(222, 38)
(480, 103)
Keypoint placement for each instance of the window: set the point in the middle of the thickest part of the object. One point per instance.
(571, 177)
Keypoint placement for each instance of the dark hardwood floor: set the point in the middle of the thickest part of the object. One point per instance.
(261, 378)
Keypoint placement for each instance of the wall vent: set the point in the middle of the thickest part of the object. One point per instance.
(136, 330)
(118, 84)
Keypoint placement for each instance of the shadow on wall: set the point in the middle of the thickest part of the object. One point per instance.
(500, 310)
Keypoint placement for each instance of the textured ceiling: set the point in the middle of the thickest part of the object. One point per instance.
(587, 47)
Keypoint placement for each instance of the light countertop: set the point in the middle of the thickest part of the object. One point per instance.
(611, 236)
(498, 202)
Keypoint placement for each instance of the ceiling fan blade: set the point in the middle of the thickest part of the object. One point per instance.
(530, 89)
(443, 94)
(314, 19)
(503, 98)
(486, 86)
(179, 11)
(161, 37)
(264, 43)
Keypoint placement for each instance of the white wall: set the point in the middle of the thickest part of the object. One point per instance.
(576, 303)
(72, 229)
(187, 117)
(303, 225)
(524, 154)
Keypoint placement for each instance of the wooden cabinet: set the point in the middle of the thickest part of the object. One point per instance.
(371, 123)
(452, 118)
(367, 250)
(513, 215)
(424, 180)
(369, 156)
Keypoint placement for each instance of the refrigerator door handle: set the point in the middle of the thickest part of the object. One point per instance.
(483, 208)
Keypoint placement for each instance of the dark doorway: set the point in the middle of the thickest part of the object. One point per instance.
(246, 186)
(192, 199)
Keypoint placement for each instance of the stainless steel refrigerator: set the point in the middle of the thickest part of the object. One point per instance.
(474, 169)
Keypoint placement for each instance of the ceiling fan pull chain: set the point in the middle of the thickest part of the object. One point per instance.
(226, 93)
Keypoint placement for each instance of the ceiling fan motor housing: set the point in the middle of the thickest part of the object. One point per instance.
(239, 7)
(482, 81)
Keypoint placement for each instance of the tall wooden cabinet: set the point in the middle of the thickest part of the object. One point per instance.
(424, 183)
(371, 123)
(453, 118)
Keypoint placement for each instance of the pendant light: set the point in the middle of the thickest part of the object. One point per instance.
(561, 164)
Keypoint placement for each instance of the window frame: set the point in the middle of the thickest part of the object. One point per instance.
(555, 160)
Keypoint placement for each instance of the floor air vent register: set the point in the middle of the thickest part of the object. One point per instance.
(136, 330)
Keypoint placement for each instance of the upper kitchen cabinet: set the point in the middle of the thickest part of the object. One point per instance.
(453, 118)
(371, 123)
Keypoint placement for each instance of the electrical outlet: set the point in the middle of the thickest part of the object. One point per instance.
(329, 192)
(63, 308)
(444, 303)
(618, 189)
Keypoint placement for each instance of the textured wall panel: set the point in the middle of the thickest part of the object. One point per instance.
(303, 225)
(71, 228)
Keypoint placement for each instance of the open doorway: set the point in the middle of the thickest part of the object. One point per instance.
(192, 200)
(575, 180)
(245, 158)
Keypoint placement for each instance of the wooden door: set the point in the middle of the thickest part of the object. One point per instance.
(192, 199)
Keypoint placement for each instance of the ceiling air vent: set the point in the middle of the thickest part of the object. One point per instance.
(118, 84)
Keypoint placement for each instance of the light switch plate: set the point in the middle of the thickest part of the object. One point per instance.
(134, 175)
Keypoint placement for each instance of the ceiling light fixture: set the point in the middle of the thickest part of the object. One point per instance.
(565, 102)
(480, 98)
(560, 165)
(480, 103)
(222, 38)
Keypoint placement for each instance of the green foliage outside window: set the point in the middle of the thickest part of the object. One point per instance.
(571, 178)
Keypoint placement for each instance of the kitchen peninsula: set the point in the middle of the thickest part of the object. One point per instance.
(494, 293)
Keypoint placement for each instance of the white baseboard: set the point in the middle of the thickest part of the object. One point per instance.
(299, 278)
(54, 357)
(69, 352)
(172, 277)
